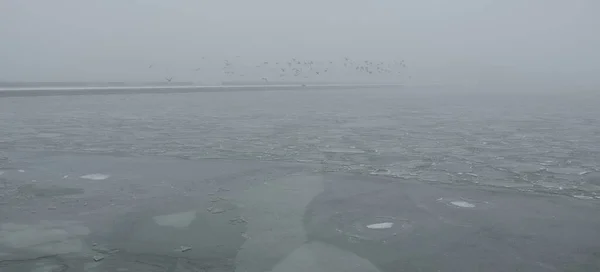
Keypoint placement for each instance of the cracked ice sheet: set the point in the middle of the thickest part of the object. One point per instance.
(275, 211)
(48, 237)
(317, 257)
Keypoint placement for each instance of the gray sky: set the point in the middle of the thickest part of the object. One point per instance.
(442, 41)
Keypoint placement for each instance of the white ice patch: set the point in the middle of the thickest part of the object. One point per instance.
(185, 248)
(95, 176)
(385, 225)
(343, 150)
(21, 171)
(462, 204)
(583, 197)
(1, 173)
(565, 170)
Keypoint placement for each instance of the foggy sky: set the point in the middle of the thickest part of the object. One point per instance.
(454, 42)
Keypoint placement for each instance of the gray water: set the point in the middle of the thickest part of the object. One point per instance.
(529, 141)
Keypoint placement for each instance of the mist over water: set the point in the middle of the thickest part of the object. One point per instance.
(538, 44)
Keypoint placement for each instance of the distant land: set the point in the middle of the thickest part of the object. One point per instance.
(19, 84)
(74, 84)
(61, 90)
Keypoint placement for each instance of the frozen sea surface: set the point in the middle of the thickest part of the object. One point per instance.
(304, 180)
(525, 141)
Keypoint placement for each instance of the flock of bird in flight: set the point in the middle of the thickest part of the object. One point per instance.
(297, 68)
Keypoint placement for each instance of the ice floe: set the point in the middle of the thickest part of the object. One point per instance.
(384, 225)
(95, 176)
(462, 204)
(584, 197)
